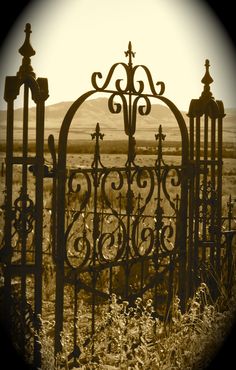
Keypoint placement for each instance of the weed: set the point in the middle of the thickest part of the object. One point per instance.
(133, 338)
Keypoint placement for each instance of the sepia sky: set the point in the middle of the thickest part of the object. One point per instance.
(75, 38)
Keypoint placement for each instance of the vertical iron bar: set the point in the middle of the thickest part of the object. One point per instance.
(129, 212)
(159, 213)
(219, 196)
(170, 285)
(205, 200)
(229, 235)
(110, 280)
(24, 193)
(181, 231)
(131, 154)
(39, 220)
(142, 275)
(205, 208)
(8, 212)
(230, 213)
(53, 225)
(60, 251)
(213, 151)
(75, 331)
(213, 184)
(197, 199)
(191, 210)
(191, 138)
(97, 135)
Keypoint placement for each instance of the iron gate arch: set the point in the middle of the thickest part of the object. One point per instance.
(89, 248)
(149, 249)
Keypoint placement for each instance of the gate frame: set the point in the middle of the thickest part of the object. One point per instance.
(130, 126)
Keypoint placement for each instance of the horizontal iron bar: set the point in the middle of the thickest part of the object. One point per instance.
(223, 218)
(103, 213)
(207, 243)
(22, 160)
(134, 168)
(19, 270)
(105, 265)
(210, 161)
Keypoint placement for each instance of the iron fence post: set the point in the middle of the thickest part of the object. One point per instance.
(23, 214)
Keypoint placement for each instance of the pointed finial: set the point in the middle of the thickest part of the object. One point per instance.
(26, 51)
(129, 53)
(97, 134)
(207, 80)
(160, 136)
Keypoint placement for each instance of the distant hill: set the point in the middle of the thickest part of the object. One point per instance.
(96, 110)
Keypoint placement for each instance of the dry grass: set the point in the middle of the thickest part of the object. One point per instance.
(132, 338)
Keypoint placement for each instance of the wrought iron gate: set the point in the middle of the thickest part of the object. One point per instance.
(133, 229)
(144, 240)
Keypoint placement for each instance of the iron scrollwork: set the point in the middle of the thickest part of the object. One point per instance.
(129, 85)
(120, 210)
(24, 214)
(78, 250)
(129, 91)
(119, 225)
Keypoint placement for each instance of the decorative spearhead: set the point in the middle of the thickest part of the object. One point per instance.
(160, 136)
(97, 134)
(130, 53)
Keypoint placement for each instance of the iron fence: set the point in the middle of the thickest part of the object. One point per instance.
(149, 231)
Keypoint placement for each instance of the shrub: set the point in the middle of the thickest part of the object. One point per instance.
(133, 338)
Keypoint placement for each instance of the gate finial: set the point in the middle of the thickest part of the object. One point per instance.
(130, 53)
(207, 80)
(26, 51)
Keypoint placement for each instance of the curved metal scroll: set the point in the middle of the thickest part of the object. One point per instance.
(106, 223)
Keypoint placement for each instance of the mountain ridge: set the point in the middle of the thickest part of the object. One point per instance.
(96, 110)
(63, 106)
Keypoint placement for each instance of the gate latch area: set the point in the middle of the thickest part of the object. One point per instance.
(46, 171)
